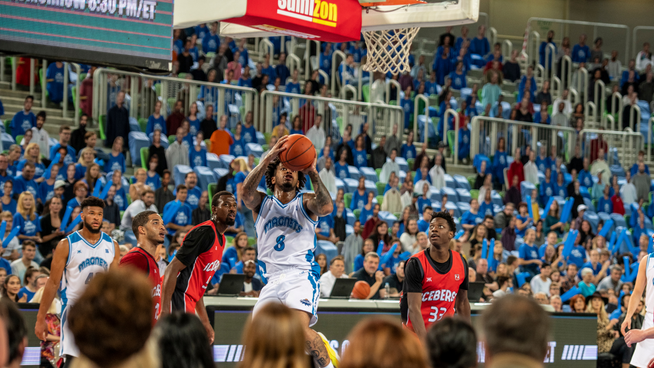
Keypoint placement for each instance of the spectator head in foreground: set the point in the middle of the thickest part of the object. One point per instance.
(112, 320)
(183, 342)
(452, 343)
(516, 329)
(274, 338)
(13, 334)
(372, 340)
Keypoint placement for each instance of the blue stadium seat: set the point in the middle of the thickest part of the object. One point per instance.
(350, 217)
(589, 204)
(8, 140)
(340, 185)
(219, 173)
(387, 217)
(497, 208)
(458, 224)
(130, 238)
(436, 205)
(463, 207)
(205, 176)
(401, 162)
(351, 185)
(253, 149)
(463, 194)
(354, 172)
(496, 198)
(593, 219)
(327, 248)
(225, 160)
(53, 142)
(402, 176)
(618, 171)
(213, 161)
(525, 189)
(584, 192)
(261, 138)
(434, 194)
(371, 187)
(369, 173)
(449, 182)
(179, 172)
(451, 206)
(452, 196)
(618, 220)
(349, 229)
(134, 125)
(137, 140)
(541, 177)
(461, 182)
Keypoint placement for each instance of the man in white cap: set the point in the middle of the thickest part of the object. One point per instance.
(576, 224)
(59, 187)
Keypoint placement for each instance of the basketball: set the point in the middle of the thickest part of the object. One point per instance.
(299, 154)
(361, 290)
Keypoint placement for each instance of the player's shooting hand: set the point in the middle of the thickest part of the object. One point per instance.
(311, 168)
(276, 149)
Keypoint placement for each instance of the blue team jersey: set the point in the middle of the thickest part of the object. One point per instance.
(21, 185)
(529, 253)
(408, 152)
(70, 156)
(249, 135)
(197, 158)
(194, 126)
(179, 214)
(156, 124)
(325, 224)
(39, 168)
(193, 197)
(422, 203)
(577, 256)
(27, 227)
(153, 181)
(342, 171)
(360, 158)
(293, 88)
(358, 200)
(55, 88)
(523, 231)
(22, 122)
(45, 191)
(115, 163)
(486, 209)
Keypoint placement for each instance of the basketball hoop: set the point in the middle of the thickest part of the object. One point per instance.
(389, 50)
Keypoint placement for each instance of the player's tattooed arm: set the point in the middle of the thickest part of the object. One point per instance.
(320, 203)
(252, 198)
(316, 348)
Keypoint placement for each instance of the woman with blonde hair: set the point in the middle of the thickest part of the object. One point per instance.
(605, 331)
(33, 155)
(86, 157)
(275, 339)
(371, 341)
(136, 188)
(27, 219)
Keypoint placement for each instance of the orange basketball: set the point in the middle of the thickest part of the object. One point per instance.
(361, 290)
(299, 154)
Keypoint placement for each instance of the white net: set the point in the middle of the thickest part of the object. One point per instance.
(389, 50)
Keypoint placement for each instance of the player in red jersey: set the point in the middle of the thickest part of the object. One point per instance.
(150, 233)
(436, 280)
(197, 260)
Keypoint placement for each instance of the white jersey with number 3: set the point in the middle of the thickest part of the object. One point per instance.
(644, 352)
(286, 236)
(84, 261)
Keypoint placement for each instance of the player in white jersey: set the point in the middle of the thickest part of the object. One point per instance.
(286, 239)
(644, 337)
(76, 259)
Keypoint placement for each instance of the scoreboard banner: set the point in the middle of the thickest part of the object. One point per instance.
(120, 32)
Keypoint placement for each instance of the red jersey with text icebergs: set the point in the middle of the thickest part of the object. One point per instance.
(201, 252)
(439, 284)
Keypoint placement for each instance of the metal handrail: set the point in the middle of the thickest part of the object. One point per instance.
(587, 117)
(323, 74)
(550, 52)
(635, 109)
(294, 62)
(507, 48)
(575, 94)
(636, 141)
(457, 127)
(493, 35)
(539, 73)
(591, 24)
(475, 132)
(535, 37)
(345, 89)
(600, 89)
(307, 58)
(416, 101)
(620, 106)
(263, 45)
(334, 79)
(556, 86)
(583, 74)
(388, 90)
(635, 33)
(566, 69)
(32, 77)
(13, 74)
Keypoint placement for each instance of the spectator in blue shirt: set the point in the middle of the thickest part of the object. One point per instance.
(341, 167)
(197, 153)
(472, 217)
(156, 121)
(604, 204)
(325, 229)
(480, 45)
(585, 178)
(359, 197)
(201, 30)
(178, 214)
(249, 133)
(528, 258)
(281, 70)
(294, 85)
(641, 159)
(500, 162)
(326, 59)
(543, 47)
(458, 77)
(423, 223)
(25, 182)
(425, 199)
(581, 51)
(211, 41)
(54, 78)
(408, 149)
(407, 106)
(24, 120)
(359, 152)
(27, 219)
(193, 191)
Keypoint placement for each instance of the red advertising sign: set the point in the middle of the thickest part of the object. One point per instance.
(330, 20)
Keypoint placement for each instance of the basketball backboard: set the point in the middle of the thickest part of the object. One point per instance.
(431, 14)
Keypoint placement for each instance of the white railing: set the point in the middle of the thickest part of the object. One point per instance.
(416, 112)
(44, 65)
(626, 143)
(380, 116)
(550, 57)
(507, 48)
(566, 70)
(574, 96)
(266, 47)
(294, 62)
(457, 128)
(336, 80)
(583, 79)
(388, 90)
(533, 43)
(634, 45)
(307, 58)
(582, 23)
